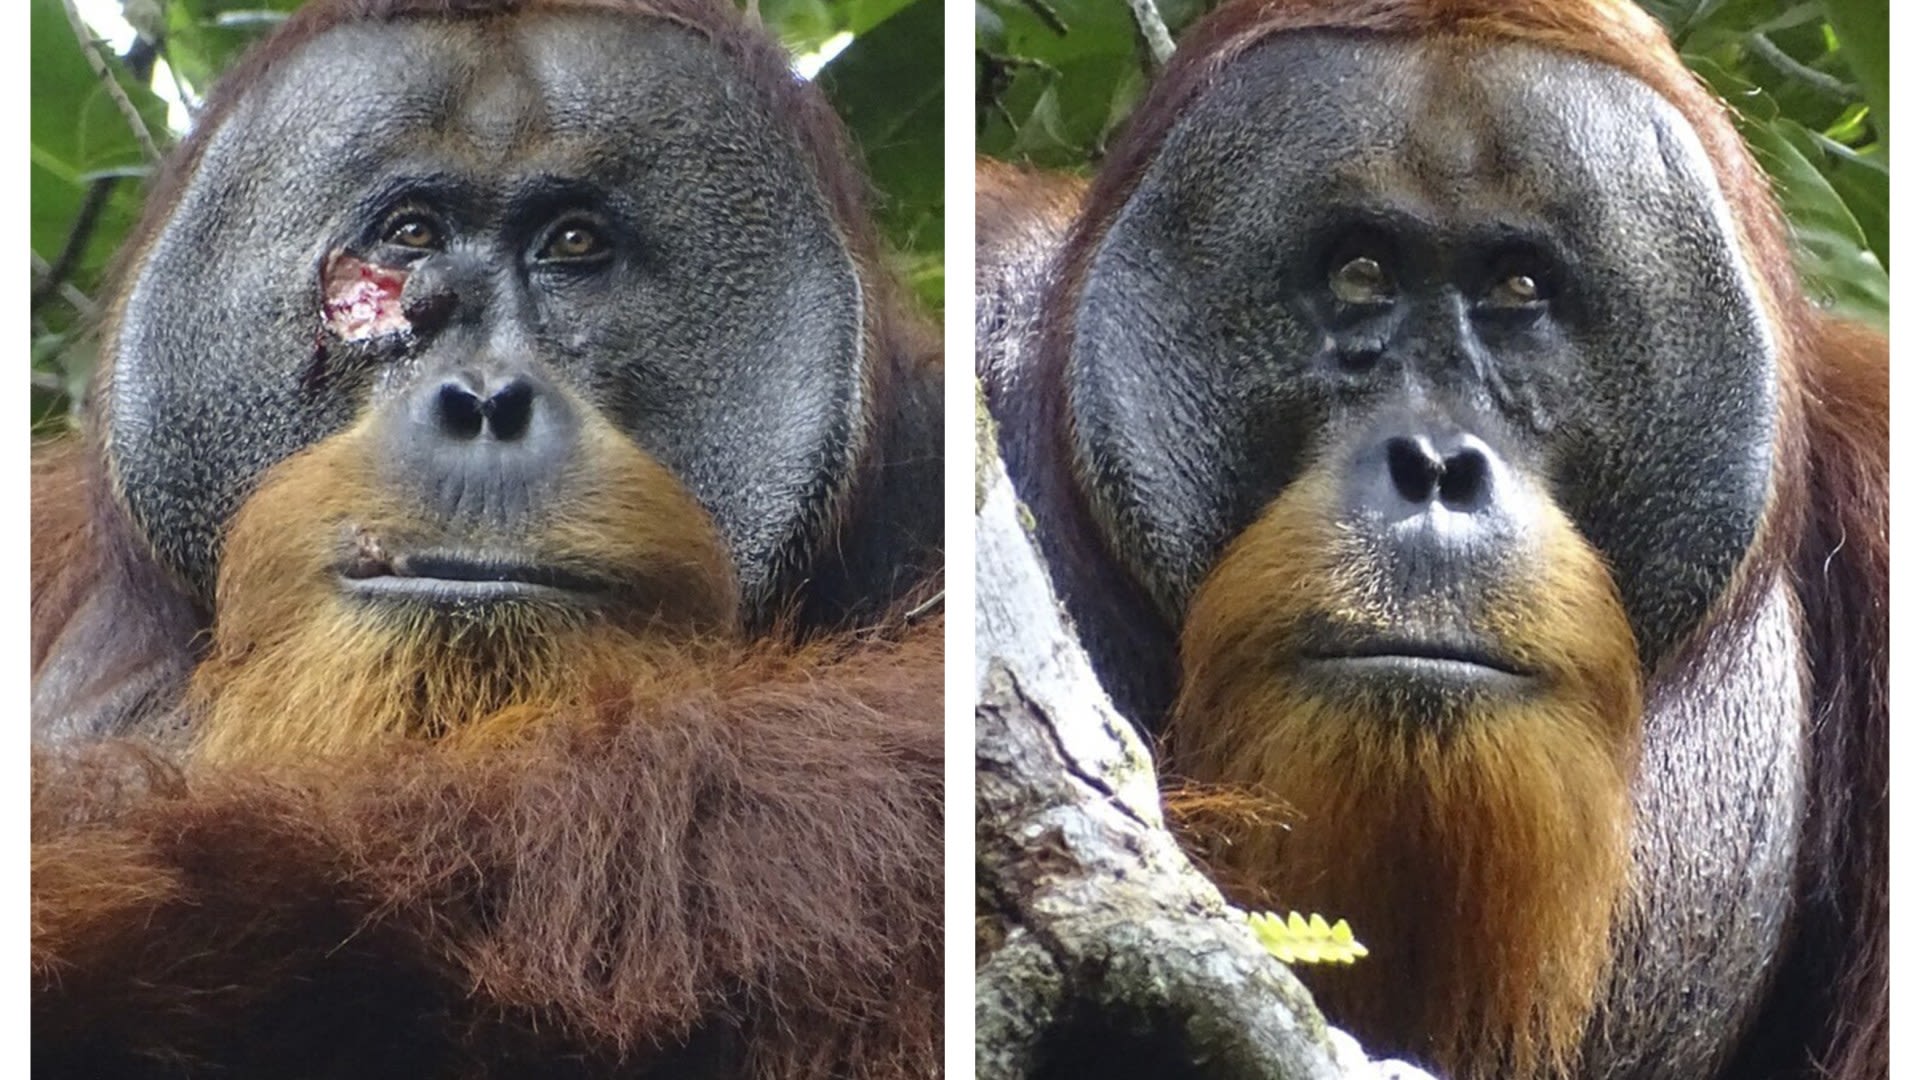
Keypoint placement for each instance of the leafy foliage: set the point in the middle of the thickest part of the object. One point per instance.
(1813, 108)
(1807, 80)
(885, 81)
(1055, 79)
(1299, 939)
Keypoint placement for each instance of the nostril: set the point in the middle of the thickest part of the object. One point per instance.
(1465, 480)
(509, 411)
(1415, 469)
(1359, 359)
(459, 411)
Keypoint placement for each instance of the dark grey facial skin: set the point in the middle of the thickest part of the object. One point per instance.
(1214, 358)
(721, 330)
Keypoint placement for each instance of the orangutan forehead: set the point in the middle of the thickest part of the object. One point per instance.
(1442, 123)
(585, 88)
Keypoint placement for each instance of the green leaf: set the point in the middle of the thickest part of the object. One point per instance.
(1748, 97)
(1860, 178)
(1851, 127)
(1861, 27)
(206, 37)
(888, 88)
(1298, 939)
(801, 25)
(77, 135)
(1833, 254)
(862, 16)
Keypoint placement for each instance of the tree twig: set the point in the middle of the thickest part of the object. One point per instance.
(1153, 34)
(90, 48)
(54, 278)
(44, 279)
(188, 100)
(1045, 13)
(926, 607)
(1819, 82)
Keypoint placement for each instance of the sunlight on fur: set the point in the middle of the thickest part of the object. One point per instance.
(1482, 855)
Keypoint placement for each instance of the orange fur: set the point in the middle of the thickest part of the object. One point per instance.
(1018, 207)
(298, 668)
(728, 867)
(1481, 853)
(62, 527)
(67, 556)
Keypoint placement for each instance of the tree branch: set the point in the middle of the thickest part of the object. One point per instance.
(1095, 929)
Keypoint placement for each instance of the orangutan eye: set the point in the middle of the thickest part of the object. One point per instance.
(1361, 280)
(414, 230)
(1516, 290)
(574, 242)
(1520, 281)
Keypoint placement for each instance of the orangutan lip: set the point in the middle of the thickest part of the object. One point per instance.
(1418, 657)
(443, 576)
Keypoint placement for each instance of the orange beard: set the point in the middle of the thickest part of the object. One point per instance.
(1480, 850)
(299, 668)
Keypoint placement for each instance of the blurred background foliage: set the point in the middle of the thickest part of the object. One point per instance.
(878, 60)
(1807, 80)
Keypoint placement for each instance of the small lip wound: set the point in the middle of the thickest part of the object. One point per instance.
(1403, 648)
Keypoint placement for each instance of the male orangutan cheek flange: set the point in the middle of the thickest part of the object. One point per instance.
(1601, 767)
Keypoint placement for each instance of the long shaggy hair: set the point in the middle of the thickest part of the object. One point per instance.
(729, 868)
(1479, 845)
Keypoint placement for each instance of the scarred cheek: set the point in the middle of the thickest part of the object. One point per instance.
(362, 298)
